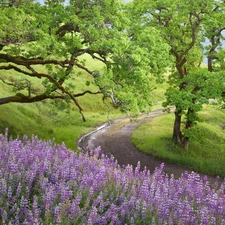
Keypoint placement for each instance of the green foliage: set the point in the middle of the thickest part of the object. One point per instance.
(58, 37)
(213, 31)
(198, 89)
(184, 26)
(14, 24)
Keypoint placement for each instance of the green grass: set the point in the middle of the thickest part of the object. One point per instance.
(47, 121)
(205, 154)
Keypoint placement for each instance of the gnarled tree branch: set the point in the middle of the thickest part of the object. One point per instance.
(20, 60)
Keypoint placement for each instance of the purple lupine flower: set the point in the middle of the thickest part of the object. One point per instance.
(90, 222)
(144, 209)
(73, 210)
(93, 217)
(132, 221)
(66, 193)
(35, 208)
(144, 190)
(57, 212)
(41, 182)
(9, 193)
(48, 197)
(4, 215)
(97, 201)
(137, 169)
(18, 190)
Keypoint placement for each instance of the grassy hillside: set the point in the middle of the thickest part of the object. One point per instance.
(207, 148)
(48, 121)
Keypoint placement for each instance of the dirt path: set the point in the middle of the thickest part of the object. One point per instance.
(115, 140)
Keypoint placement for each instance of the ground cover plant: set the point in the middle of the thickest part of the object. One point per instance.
(45, 183)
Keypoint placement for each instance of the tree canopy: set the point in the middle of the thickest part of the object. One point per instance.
(43, 49)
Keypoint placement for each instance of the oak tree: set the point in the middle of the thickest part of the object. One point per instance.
(182, 25)
(43, 48)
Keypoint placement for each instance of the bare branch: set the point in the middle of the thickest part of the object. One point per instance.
(83, 67)
(87, 92)
(102, 54)
(19, 86)
(20, 60)
(7, 83)
(21, 98)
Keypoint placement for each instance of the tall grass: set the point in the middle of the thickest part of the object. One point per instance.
(206, 152)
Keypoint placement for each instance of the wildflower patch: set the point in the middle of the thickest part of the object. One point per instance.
(45, 183)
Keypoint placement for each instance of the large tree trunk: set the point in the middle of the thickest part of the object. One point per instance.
(177, 135)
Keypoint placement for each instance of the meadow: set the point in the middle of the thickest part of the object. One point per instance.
(44, 179)
(207, 145)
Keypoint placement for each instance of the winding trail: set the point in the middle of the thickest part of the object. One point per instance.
(115, 140)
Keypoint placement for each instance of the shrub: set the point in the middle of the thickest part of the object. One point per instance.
(45, 183)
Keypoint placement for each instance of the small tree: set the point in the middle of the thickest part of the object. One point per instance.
(198, 91)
